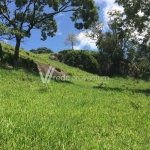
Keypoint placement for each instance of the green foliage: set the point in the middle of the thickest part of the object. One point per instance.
(144, 66)
(132, 16)
(23, 62)
(62, 54)
(131, 54)
(106, 46)
(6, 31)
(137, 19)
(82, 60)
(28, 64)
(41, 50)
(115, 46)
(142, 61)
(7, 58)
(27, 53)
(1, 53)
(97, 56)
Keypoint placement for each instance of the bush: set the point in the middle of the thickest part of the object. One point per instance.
(28, 53)
(144, 67)
(97, 56)
(41, 50)
(83, 60)
(8, 58)
(28, 64)
(62, 55)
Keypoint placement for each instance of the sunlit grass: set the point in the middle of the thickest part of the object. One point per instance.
(77, 115)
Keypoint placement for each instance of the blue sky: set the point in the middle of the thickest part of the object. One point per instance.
(65, 26)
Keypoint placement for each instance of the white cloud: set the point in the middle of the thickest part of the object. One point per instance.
(85, 42)
(60, 15)
(110, 5)
(58, 32)
(140, 13)
(5, 41)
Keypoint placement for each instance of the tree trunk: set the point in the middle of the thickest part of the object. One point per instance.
(72, 45)
(16, 54)
(1, 53)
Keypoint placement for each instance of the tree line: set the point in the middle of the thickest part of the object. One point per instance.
(121, 49)
(119, 44)
(41, 50)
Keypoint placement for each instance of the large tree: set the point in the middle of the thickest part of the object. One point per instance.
(115, 43)
(137, 12)
(138, 19)
(122, 35)
(21, 16)
(5, 34)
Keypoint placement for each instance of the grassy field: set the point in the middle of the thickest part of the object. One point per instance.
(112, 114)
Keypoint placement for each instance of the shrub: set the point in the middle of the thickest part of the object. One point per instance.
(8, 58)
(97, 56)
(41, 50)
(62, 55)
(28, 64)
(83, 60)
(27, 53)
(144, 67)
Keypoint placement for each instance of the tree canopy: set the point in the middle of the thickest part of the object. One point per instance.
(137, 17)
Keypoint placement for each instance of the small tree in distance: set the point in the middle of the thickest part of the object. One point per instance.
(72, 40)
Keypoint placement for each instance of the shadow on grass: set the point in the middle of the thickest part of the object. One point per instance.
(5, 67)
(63, 81)
(43, 89)
(10, 68)
(144, 91)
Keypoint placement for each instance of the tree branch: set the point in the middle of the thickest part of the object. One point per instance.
(8, 19)
(6, 5)
(47, 16)
(27, 8)
(64, 6)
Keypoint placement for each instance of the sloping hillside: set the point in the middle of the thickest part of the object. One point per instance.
(44, 58)
(85, 112)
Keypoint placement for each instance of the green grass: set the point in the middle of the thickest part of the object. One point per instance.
(80, 115)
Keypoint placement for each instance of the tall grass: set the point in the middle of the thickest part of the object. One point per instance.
(77, 115)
